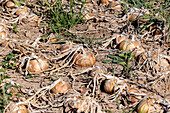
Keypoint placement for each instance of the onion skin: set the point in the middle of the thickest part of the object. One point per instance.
(19, 109)
(61, 87)
(85, 60)
(38, 65)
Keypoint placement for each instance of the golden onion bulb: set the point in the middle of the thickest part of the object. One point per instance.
(129, 44)
(85, 60)
(38, 65)
(133, 45)
(148, 106)
(19, 108)
(141, 21)
(24, 19)
(123, 44)
(133, 16)
(88, 1)
(165, 63)
(109, 85)
(60, 87)
(143, 107)
(3, 35)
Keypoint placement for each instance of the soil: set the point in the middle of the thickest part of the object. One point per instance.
(106, 24)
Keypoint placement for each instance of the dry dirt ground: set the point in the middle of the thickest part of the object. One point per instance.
(86, 82)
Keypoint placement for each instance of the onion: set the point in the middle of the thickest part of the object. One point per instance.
(85, 60)
(162, 63)
(60, 86)
(129, 44)
(38, 65)
(89, 16)
(148, 105)
(109, 85)
(3, 35)
(19, 108)
(104, 1)
(21, 11)
(10, 4)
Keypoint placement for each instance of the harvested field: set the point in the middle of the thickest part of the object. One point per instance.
(93, 56)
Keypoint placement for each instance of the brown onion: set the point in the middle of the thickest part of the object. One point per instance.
(19, 108)
(129, 44)
(21, 11)
(109, 85)
(60, 87)
(85, 60)
(104, 1)
(38, 65)
(148, 105)
(10, 4)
